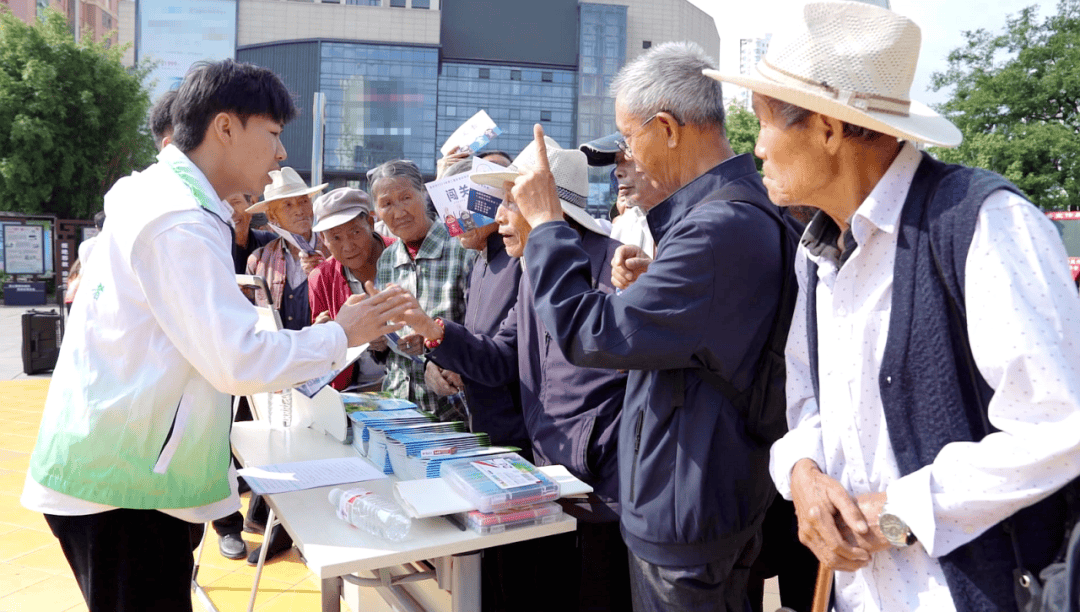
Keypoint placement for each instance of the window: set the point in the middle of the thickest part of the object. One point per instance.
(421, 4)
(485, 73)
(545, 115)
(645, 44)
(515, 75)
(547, 77)
(397, 3)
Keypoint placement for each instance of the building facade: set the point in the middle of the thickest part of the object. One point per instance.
(98, 17)
(401, 75)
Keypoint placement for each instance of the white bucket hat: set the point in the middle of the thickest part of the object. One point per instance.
(571, 170)
(284, 183)
(852, 61)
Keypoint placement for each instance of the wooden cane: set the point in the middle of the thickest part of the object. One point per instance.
(822, 589)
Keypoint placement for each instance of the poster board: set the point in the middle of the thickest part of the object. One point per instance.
(24, 249)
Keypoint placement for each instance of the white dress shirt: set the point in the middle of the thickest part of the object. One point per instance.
(1024, 325)
(632, 227)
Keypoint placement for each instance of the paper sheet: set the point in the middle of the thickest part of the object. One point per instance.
(311, 387)
(285, 477)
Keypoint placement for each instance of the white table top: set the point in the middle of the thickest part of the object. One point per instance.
(331, 546)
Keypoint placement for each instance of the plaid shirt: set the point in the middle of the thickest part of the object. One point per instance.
(437, 278)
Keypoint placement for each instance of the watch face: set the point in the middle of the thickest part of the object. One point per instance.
(896, 531)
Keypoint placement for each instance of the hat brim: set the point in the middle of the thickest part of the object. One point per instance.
(262, 206)
(336, 219)
(921, 124)
(602, 151)
(499, 179)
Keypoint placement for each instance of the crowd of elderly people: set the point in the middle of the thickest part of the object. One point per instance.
(931, 371)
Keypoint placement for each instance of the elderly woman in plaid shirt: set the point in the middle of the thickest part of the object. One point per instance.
(428, 263)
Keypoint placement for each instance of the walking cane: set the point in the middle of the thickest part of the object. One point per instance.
(822, 591)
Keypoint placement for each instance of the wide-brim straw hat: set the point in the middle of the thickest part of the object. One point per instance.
(284, 183)
(571, 170)
(852, 61)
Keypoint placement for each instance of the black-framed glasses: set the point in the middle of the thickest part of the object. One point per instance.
(625, 146)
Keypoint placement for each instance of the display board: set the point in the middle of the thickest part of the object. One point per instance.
(179, 33)
(24, 249)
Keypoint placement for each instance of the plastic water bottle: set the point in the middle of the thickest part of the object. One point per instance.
(371, 512)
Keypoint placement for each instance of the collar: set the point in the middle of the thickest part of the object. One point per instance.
(432, 248)
(678, 204)
(204, 193)
(880, 211)
(495, 245)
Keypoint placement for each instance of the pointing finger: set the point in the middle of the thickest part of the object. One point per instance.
(541, 149)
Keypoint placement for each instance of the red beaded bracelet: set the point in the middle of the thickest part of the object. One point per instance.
(434, 344)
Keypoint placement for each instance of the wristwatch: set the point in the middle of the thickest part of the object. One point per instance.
(894, 528)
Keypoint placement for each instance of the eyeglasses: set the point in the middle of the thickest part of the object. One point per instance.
(624, 146)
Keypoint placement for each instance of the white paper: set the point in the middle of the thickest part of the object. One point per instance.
(311, 387)
(474, 133)
(301, 475)
(293, 239)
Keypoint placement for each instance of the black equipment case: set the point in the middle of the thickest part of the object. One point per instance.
(41, 334)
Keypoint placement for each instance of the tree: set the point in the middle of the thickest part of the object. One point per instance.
(72, 119)
(742, 130)
(1016, 99)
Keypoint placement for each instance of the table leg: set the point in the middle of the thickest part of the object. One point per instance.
(465, 581)
(331, 594)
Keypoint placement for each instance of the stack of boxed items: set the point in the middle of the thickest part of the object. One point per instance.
(507, 491)
(402, 440)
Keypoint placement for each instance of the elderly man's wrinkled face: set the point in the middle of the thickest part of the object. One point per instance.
(648, 143)
(795, 171)
(401, 208)
(352, 243)
(292, 214)
(512, 225)
(635, 187)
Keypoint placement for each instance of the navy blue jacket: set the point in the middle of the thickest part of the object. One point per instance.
(693, 484)
(571, 413)
(492, 293)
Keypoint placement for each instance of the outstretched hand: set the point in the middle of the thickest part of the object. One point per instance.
(534, 191)
(366, 318)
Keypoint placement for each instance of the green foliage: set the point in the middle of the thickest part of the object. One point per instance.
(1016, 98)
(742, 130)
(72, 119)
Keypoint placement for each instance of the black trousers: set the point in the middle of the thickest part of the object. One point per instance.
(128, 560)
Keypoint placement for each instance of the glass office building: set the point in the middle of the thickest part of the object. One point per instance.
(516, 98)
(602, 52)
(380, 105)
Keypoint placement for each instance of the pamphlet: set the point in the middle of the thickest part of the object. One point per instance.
(313, 386)
(451, 197)
(474, 134)
(294, 239)
(484, 200)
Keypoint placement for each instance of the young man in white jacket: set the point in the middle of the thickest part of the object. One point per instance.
(134, 440)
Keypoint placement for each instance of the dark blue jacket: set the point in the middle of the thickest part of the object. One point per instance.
(692, 483)
(571, 413)
(492, 292)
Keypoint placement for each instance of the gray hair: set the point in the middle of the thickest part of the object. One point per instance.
(796, 115)
(459, 167)
(400, 168)
(668, 78)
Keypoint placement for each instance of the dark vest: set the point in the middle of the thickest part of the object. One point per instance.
(930, 390)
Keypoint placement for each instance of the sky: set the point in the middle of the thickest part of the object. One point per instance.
(942, 22)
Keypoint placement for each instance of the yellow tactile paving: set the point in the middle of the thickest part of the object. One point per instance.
(35, 577)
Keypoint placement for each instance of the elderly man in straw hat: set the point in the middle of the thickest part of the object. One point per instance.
(286, 262)
(934, 358)
(693, 469)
